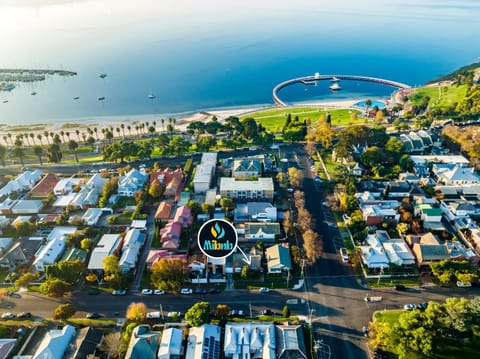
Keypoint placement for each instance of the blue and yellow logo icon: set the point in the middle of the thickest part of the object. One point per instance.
(217, 238)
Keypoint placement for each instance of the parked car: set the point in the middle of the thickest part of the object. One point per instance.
(93, 315)
(236, 313)
(172, 314)
(267, 312)
(8, 315)
(153, 315)
(264, 290)
(214, 291)
(463, 285)
(422, 306)
(158, 292)
(147, 291)
(409, 307)
(186, 291)
(119, 292)
(200, 291)
(93, 292)
(24, 315)
(400, 287)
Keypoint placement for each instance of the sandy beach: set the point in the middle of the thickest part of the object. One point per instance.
(69, 128)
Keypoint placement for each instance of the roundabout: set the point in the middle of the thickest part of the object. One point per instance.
(313, 80)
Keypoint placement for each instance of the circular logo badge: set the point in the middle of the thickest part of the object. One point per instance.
(217, 238)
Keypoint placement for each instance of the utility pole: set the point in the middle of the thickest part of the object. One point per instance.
(250, 307)
(161, 311)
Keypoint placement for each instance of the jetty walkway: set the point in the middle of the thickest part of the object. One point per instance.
(309, 80)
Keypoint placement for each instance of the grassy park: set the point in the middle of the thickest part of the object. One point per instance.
(274, 119)
(440, 96)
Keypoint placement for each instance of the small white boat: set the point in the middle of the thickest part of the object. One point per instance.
(151, 96)
(334, 79)
(335, 87)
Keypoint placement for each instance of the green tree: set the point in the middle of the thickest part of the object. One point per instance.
(111, 265)
(64, 311)
(295, 176)
(38, 151)
(54, 153)
(67, 271)
(3, 152)
(20, 153)
(24, 229)
(136, 312)
(168, 274)
(72, 146)
(86, 244)
(24, 280)
(55, 288)
(250, 129)
(198, 314)
(286, 311)
(226, 204)
(222, 311)
(155, 190)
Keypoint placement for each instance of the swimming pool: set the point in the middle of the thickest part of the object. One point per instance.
(378, 103)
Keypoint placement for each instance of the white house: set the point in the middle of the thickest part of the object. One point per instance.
(49, 253)
(107, 245)
(171, 344)
(65, 186)
(55, 343)
(90, 192)
(131, 248)
(374, 255)
(449, 174)
(132, 183)
(27, 206)
(23, 182)
(255, 211)
(91, 216)
(203, 178)
(278, 258)
(250, 340)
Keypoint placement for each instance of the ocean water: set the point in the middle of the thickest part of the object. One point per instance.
(196, 55)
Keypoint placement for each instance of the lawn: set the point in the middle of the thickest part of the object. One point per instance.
(387, 316)
(439, 96)
(274, 119)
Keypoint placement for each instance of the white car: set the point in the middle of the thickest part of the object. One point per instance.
(119, 292)
(186, 291)
(409, 307)
(147, 291)
(463, 285)
(264, 290)
(8, 316)
(158, 292)
(172, 314)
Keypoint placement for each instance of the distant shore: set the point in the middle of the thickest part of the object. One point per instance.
(100, 122)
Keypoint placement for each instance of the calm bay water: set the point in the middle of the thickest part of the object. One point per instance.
(208, 54)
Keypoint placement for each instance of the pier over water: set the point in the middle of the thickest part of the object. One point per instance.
(309, 80)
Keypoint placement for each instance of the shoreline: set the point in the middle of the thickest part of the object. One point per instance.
(82, 124)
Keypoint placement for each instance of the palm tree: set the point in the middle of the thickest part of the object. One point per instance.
(18, 152)
(25, 136)
(136, 129)
(45, 133)
(10, 138)
(39, 137)
(77, 131)
(95, 130)
(163, 124)
(174, 122)
(3, 152)
(368, 103)
(62, 133)
(84, 136)
(109, 136)
(38, 151)
(129, 128)
(118, 131)
(52, 135)
(18, 141)
(32, 136)
(122, 126)
(5, 138)
(68, 135)
(72, 146)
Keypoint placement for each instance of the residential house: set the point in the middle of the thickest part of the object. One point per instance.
(397, 250)
(5, 244)
(454, 209)
(255, 257)
(4, 221)
(171, 346)
(55, 343)
(249, 340)
(255, 211)
(373, 254)
(205, 172)
(427, 248)
(237, 190)
(27, 206)
(7, 205)
(290, 342)
(164, 211)
(278, 258)
(450, 174)
(65, 186)
(92, 216)
(183, 215)
(21, 252)
(6, 347)
(139, 224)
(88, 342)
(170, 235)
(90, 193)
(132, 244)
(204, 342)
(131, 183)
(45, 187)
(396, 189)
(108, 244)
(156, 254)
(51, 251)
(428, 212)
(357, 170)
(143, 343)
(266, 232)
(246, 168)
(171, 180)
(410, 178)
(375, 213)
(23, 182)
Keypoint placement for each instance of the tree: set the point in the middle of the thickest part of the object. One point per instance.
(323, 133)
(295, 176)
(226, 204)
(286, 311)
(136, 312)
(198, 314)
(64, 311)
(54, 153)
(72, 146)
(168, 274)
(20, 153)
(86, 244)
(55, 288)
(112, 344)
(38, 151)
(68, 271)
(368, 103)
(3, 152)
(111, 266)
(155, 190)
(402, 228)
(312, 245)
(250, 129)
(222, 311)
(24, 280)
(24, 229)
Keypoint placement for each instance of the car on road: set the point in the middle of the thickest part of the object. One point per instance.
(422, 306)
(172, 314)
(252, 148)
(147, 291)
(186, 291)
(290, 190)
(93, 315)
(24, 315)
(200, 291)
(119, 292)
(236, 313)
(409, 307)
(214, 291)
(264, 290)
(400, 287)
(344, 255)
(317, 179)
(463, 285)
(267, 312)
(158, 292)
(93, 292)
(8, 315)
